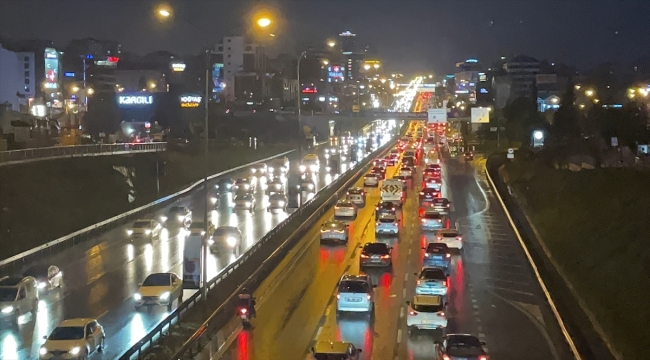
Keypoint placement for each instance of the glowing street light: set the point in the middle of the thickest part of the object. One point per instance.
(376, 66)
(331, 43)
(90, 91)
(75, 89)
(264, 22)
(366, 66)
(589, 93)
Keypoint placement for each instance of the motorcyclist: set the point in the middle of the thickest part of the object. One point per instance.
(248, 301)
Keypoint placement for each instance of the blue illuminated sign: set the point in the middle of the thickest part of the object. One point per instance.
(483, 91)
(69, 74)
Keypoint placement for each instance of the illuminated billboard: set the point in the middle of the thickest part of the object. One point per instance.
(136, 99)
(51, 61)
(177, 66)
(217, 78)
(310, 90)
(335, 74)
(190, 100)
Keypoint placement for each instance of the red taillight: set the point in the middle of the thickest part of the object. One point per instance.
(412, 313)
(448, 255)
(368, 297)
(459, 238)
(439, 220)
(424, 220)
(378, 223)
(243, 310)
(385, 256)
(439, 238)
(482, 357)
(441, 313)
(447, 205)
(444, 283)
(364, 256)
(445, 357)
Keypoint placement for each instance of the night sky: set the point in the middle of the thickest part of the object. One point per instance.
(409, 35)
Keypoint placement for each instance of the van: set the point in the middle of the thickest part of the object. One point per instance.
(18, 296)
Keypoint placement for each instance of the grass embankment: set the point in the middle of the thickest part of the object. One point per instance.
(45, 200)
(596, 225)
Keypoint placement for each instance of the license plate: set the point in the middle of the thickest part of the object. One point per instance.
(426, 322)
(352, 299)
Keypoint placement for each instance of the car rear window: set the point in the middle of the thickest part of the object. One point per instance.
(387, 220)
(428, 308)
(436, 249)
(464, 350)
(353, 287)
(435, 274)
(370, 175)
(376, 248)
(449, 234)
(432, 216)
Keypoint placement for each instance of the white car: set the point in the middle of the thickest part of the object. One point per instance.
(73, 339)
(371, 180)
(355, 293)
(426, 312)
(145, 228)
(387, 224)
(451, 237)
(431, 281)
(334, 230)
(345, 209)
(279, 166)
(432, 220)
(357, 196)
(244, 185)
(226, 237)
(406, 172)
(245, 201)
(335, 350)
(275, 186)
(441, 205)
(277, 201)
(18, 296)
(159, 289)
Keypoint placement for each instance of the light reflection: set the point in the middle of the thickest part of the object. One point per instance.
(42, 319)
(10, 347)
(268, 220)
(130, 252)
(214, 217)
(249, 227)
(242, 345)
(164, 255)
(328, 179)
(138, 329)
(233, 220)
(164, 234)
(212, 268)
(148, 257)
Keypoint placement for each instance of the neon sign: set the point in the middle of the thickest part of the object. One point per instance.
(309, 90)
(178, 67)
(190, 101)
(135, 99)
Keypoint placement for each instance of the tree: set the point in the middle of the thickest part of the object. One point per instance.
(103, 114)
(566, 122)
(521, 118)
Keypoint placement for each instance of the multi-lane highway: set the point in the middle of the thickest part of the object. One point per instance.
(102, 274)
(493, 292)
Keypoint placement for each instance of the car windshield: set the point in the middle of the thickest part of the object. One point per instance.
(433, 274)
(67, 333)
(353, 287)
(276, 197)
(330, 356)
(37, 271)
(142, 224)
(464, 350)
(8, 294)
(437, 248)
(345, 204)
(432, 216)
(427, 308)
(176, 209)
(387, 220)
(440, 201)
(241, 181)
(243, 197)
(157, 280)
(376, 248)
(370, 175)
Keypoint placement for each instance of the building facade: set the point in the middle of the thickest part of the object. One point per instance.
(17, 78)
(522, 71)
(243, 63)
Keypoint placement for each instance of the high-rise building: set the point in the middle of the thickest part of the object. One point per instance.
(92, 62)
(242, 69)
(17, 78)
(522, 71)
(466, 77)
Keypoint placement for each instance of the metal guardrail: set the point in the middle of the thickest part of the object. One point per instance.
(196, 340)
(58, 152)
(80, 235)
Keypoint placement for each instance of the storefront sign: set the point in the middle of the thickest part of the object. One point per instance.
(190, 101)
(135, 99)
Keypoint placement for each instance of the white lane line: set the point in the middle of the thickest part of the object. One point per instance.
(406, 277)
(475, 306)
(399, 336)
(473, 300)
(409, 251)
(404, 293)
(479, 328)
(318, 332)
(401, 312)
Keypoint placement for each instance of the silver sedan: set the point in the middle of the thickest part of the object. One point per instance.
(334, 230)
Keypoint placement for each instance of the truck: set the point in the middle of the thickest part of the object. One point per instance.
(393, 190)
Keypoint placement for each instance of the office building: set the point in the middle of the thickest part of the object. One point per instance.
(17, 78)
(466, 79)
(241, 68)
(522, 71)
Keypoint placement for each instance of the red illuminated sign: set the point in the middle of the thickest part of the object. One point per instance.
(309, 90)
(112, 59)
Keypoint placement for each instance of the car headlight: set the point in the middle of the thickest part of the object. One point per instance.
(75, 350)
(210, 242)
(271, 169)
(247, 186)
(327, 156)
(42, 350)
(311, 186)
(212, 199)
(147, 231)
(8, 310)
(163, 218)
(42, 284)
(137, 297)
(281, 203)
(231, 241)
(164, 296)
(129, 232)
(181, 217)
(313, 167)
(302, 167)
(327, 168)
(247, 203)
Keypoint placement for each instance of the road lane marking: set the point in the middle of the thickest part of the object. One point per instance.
(401, 312)
(399, 336)
(511, 290)
(406, 277)
(404, 293)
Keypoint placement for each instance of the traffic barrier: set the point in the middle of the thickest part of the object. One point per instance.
(15, 262)
(267, 252)
(60, 152)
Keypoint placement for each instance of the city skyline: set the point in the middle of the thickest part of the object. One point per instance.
(442, 33)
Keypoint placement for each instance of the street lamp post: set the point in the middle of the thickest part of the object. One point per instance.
(302, 55)
(165, 12)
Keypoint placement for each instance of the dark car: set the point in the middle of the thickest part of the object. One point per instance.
(460, 346)
(379, 171)
(469, 156)
(386, 207)
(408, 161)
(437, 255)
(376, 254)
(225, 185)
(428, 194)
(47, 276)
